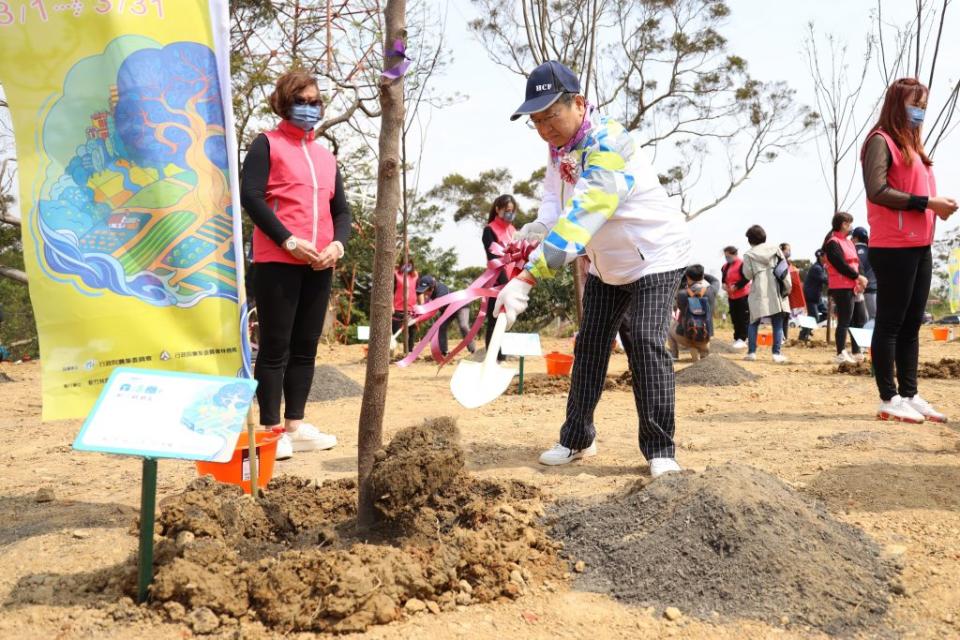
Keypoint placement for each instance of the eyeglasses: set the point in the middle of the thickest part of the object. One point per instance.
(305, 101)
(536, 124)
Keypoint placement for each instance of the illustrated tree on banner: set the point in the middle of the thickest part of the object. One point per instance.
(143, 208)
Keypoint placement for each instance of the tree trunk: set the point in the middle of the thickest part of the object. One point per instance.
(370, 435)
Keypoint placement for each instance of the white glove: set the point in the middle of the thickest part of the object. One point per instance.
(532, 232)
(513, 299)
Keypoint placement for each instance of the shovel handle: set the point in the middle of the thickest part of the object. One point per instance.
(493, 348)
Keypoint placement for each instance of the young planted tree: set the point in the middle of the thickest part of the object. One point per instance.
(663, 69)
(385, 222)
(843, 113)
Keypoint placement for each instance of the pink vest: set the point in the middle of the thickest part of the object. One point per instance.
(503, 230)
(732, 274)
(303, 177)
(899, 229)
(837, 280)
(412, 278)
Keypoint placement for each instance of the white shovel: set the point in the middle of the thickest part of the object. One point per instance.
(476, 383)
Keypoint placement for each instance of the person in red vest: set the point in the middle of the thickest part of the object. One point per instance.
(291, 188)
(844, 282)
(409, 273)
(499, 229)
(798, 303)
(737, 288)
(902, 207)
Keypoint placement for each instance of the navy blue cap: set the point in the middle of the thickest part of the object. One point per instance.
(860, 234)
(426, 282)
(545, 84)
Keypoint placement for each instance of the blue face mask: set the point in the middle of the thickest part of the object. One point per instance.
(915, 116)
(510, 216)
(305, 116)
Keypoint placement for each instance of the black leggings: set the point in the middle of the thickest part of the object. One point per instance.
(291, 305)
(843, 301)
(903, 284)
(740, 316)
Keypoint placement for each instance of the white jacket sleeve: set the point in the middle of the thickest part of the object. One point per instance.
(550, 205)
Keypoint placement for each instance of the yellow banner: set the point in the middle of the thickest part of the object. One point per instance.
(127, 169)
(953, 269)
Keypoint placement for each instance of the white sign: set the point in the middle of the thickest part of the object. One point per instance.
(807, 322)
(863, 337)
(521, 344)
(363, 333)
(168, 414)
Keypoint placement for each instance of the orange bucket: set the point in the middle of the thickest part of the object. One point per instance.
(558, 364)
(237, 471)
(765, 339)
(941, 333)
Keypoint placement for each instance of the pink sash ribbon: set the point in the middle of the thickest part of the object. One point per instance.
(510, 260)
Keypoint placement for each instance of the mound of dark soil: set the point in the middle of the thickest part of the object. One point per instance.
(714, 371)
(330, 384)
(294, 560)
(540, 384)
(734, 540)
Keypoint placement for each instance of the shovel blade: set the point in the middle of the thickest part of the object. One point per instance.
(474, 385)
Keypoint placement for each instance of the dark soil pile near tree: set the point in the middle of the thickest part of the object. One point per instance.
(330, 384)
(294, 560)
(795, 343)
(714, 371)
(945, 369)
(732, 540)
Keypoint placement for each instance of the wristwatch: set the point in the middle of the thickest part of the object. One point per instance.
(290, 243)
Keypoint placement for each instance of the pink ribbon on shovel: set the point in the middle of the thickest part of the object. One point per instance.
(510, 260)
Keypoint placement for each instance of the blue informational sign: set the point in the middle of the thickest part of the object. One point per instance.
(168, 414)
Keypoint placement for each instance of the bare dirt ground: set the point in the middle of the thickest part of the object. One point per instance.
(801, 422)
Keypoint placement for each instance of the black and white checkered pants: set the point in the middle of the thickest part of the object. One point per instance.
(643, 308)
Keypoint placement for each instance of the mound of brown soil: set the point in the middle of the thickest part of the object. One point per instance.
(330, 384)
(946, 369)
(294, 560)
(540, 384)
(734, 540)
(855, 368)
(794, 343)
(714, 371)
(418, 462)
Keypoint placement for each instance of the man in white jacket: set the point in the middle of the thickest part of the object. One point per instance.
(603, 199)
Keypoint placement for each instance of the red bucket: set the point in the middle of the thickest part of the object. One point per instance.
(237, 471)
(558, 364)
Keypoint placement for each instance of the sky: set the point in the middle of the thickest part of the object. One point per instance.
(788, 197)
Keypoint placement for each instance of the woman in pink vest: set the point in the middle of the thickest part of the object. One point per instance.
(400, 273)
(844, 282)
(737, 288)
(499, 229)
(291, 188)
(902, 206)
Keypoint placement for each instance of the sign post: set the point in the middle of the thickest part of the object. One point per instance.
(521, 345)
(187, 416)
(148, 505)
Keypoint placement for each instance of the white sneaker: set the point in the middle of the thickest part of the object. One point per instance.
(899, 410)
(308, 438)
(560, 454)
(750, 356)
(660, 466)
(739, 344)
(843, 358)
(284, 448)
(779, 358)
(925, 409)
(858, 357)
